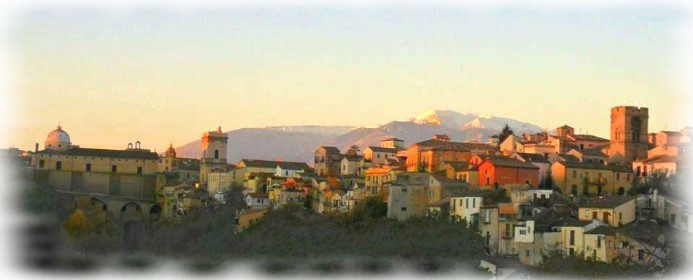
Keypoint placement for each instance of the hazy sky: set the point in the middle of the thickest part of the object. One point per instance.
(163, 75)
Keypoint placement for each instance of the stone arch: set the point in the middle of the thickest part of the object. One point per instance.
(99, 203)
(155, 212)
(130, 211)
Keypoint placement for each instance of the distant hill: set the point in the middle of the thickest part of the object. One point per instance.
(297, 143)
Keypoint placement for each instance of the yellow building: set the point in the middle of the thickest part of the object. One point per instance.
(613, 211)
(431, 155)
(247, 217)
(601, 244)
(123, 179)
(590, 178)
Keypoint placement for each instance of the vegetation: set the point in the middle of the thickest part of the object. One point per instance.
(676, 186)
(556, 264)
(505, 133)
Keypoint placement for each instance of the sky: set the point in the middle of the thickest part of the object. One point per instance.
(165, 75)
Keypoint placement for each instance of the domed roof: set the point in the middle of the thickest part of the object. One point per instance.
(171, 151)
(58, 136)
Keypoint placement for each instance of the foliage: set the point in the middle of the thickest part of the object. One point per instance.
(87, 218)
(505, 133)
(555, 263)
(293, 244)
(656, 181)
(353, 151)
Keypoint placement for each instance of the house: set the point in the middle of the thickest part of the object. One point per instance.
(246, 217)
(219, 179)
(379, 155)
(675, 211)
(392, 143)
(537, 160)
(462, 171)
(290, 196)
(327, 161)
(431, 155)
(378, 179)
(467, 205)
(257, 200)
(407, 196)
(502, 171)
(613, 211)
(590, 178)
(540, 234)
(591, 155)
(601, 244)
(661, 165)
(351, 165)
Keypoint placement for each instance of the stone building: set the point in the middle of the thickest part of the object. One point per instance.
(214, 144)
(629, 134)
(124, 182)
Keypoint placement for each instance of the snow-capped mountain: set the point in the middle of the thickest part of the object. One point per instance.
(297, 143)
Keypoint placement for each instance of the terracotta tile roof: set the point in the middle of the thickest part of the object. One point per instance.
(584, 165)
(538, 158)
(330, 149)
(587, 137)
(606, 230)
(499, 161)
(128, 154)
(383, 149)
(273, 164)
(438, 145)
(606, 202)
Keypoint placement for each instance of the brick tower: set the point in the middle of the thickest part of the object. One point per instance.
(628, 133)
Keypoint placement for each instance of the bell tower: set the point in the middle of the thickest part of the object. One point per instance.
(628, 133)
(213, 152)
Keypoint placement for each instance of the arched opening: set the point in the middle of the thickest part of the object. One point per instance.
(99, 204)
(216, 154)
(155, 212)
(130, 211)
(621, 191)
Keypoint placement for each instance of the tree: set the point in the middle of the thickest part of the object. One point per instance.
(353, 151)
(505, 133)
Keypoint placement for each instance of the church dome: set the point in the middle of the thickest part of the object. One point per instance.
(170, 152)
(58, 139)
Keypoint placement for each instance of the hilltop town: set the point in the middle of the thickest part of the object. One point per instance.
(532, 202)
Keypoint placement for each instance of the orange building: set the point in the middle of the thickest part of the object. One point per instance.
(431, 155)
(507, 171)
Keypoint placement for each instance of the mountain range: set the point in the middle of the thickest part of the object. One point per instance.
(297, 143)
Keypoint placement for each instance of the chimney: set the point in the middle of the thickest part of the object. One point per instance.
(36, 147)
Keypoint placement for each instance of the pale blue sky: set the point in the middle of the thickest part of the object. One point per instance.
(166, 75)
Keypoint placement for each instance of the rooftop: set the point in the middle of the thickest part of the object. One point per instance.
(128, 154)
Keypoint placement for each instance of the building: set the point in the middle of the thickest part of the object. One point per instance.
(392, 143)
(538, 160)
(431, 155)
(351, 165)
(379, 156)
(257, 200)
(590, 178)
(501, 171)
(467, 205)
(661, 165)
(462, 171)
(247, 217)
(327, 161)
(124, 181)
(629, 134)
(213, 145)
(421, 194)
(614, 211)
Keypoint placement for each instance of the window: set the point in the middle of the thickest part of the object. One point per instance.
(139, 170)
(58, 165)
(620, 216)
(526, 253)
(618, 176)
(114, 168)
(404, 190)
(574, 173)
(523, 232)
(466, 203)
(216, 154)
(460, 202)
(41, 163)
(88, 167)
(473, 203)
(404, 209)
(641, 255)
(599, 241)
(572, 238)
(571, 251)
